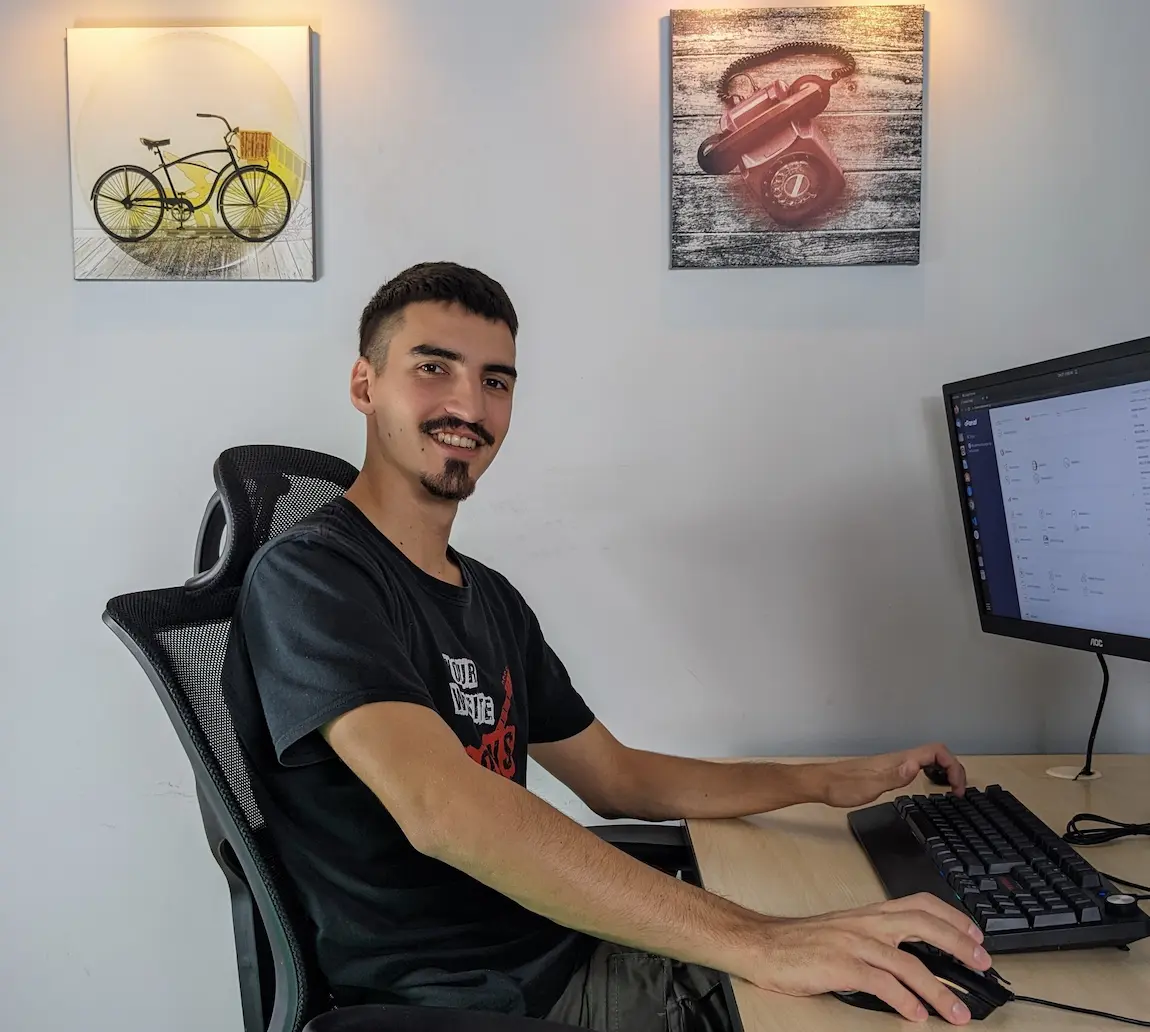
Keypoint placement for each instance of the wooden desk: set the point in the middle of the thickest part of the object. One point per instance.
(804, 860)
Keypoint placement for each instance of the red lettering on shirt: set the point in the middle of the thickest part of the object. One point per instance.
(496, 749)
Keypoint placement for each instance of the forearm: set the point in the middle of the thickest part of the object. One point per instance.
(509, 839)
(660, 788)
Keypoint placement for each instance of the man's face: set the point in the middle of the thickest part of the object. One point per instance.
(440, 407)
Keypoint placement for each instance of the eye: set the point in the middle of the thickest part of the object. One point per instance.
(425, 367)
(495, 383)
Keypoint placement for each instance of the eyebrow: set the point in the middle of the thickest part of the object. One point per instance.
(435, 351)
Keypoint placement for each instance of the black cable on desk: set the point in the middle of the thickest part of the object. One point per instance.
(1123, 881)
(1078, 836)
(1083, 1010)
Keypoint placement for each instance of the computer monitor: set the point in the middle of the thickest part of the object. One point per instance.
(1052, 462)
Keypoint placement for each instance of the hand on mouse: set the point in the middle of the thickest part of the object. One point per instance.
(861, 781)
(857, 950)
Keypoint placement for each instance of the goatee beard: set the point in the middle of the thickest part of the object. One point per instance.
(454, 484)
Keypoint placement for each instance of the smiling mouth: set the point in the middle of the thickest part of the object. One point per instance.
(455, 441)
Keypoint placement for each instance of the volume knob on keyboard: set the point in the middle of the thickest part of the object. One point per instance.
(1121, 905)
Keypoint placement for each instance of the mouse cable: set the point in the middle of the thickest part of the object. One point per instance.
(1082, 1010)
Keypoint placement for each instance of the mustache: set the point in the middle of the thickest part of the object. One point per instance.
(443, 424)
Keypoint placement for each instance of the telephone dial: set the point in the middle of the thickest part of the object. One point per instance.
(769, 136)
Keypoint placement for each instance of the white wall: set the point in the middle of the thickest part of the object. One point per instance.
(726, 493)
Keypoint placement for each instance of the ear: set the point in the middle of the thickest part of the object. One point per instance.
(362, 388)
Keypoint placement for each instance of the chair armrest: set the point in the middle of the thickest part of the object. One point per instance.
(663, 846)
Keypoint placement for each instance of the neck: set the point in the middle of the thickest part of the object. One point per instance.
(417, 523)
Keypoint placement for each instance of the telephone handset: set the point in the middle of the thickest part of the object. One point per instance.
(771, 139)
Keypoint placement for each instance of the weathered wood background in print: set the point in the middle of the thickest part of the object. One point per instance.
(873, 124)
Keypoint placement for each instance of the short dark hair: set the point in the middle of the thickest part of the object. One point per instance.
(473, 290)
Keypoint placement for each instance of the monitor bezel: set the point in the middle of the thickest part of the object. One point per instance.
(1106, 642)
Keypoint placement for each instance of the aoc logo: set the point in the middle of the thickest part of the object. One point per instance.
(1096, 643)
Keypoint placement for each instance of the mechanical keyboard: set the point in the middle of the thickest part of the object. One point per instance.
(1018, 880)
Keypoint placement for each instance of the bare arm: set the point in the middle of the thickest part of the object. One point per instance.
(503, 836)
(509, 839)
(617, 781)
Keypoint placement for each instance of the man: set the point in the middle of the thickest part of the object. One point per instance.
(388, 691)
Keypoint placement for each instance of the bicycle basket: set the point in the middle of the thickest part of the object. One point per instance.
(255, 144)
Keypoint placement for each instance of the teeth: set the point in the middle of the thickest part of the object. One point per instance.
(455, 440)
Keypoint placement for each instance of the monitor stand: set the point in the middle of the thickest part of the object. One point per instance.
(1072, 773)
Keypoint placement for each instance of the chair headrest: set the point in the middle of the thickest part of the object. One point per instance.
(263, 490)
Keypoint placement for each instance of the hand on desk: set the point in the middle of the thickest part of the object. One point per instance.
(857, 782)
(858, 950)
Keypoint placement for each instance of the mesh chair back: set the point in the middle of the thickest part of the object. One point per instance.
(179, 636)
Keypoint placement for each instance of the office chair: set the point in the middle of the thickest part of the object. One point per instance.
(423, 1019)
(179, 635)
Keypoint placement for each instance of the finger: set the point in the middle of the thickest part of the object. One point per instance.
(955, 771)
(889, 989)
(914, 975)
(931, 904)
(927, 928)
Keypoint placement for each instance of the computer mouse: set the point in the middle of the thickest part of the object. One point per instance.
(936, 774)
(982, 992)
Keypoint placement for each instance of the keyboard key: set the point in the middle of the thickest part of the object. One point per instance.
(921, 825)
(1088, 913)
(971, 864)
(1004, 924)
(1055, 919)
(1000, 865)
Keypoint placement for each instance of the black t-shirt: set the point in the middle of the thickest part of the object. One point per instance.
(331, 616)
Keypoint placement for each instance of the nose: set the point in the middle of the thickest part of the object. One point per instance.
(467, 399)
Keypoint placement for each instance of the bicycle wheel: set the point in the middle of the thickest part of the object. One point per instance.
(254, 203)
(128, 202)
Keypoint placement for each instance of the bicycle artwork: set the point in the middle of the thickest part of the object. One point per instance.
(130, 201)
(191, 152)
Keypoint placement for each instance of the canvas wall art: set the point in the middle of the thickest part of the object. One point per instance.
(796, 136)
(191, 153)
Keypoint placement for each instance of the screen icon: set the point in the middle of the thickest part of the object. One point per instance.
(961, 438)
(969, 491)
(966, 477)
(962, 450)
(974, 522)
(965, 464)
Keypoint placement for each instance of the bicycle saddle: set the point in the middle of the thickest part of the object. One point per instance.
(153, 143)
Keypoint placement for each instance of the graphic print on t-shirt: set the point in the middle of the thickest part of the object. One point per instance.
(465, 694)
(496, 750)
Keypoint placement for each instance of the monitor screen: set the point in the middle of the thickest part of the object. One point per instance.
(1053, 468)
